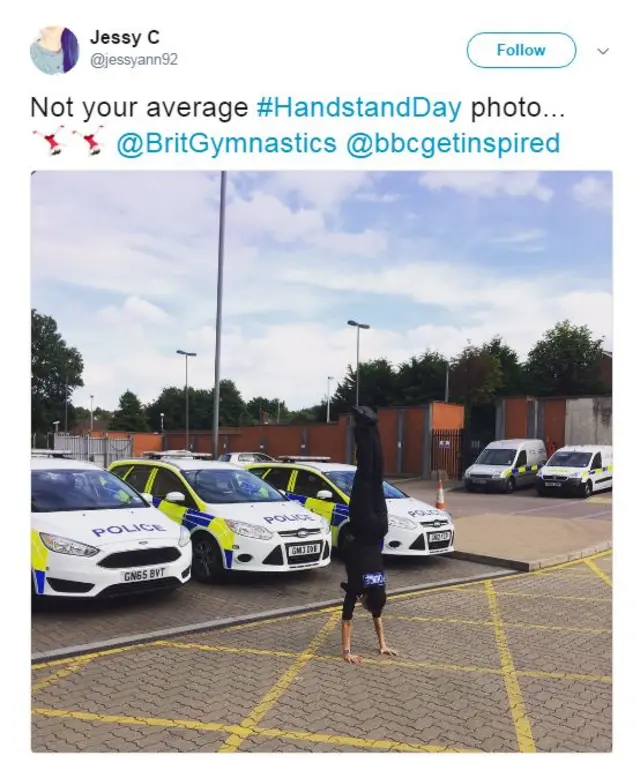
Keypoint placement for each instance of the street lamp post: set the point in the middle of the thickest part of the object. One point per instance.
(91, 413)
(446, 385)
(329, 380)
(358, 326)
(187, 355)
(56, 424)
(221, 230)
(162, 423)
(66, 404)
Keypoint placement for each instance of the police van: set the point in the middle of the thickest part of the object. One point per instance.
(506, 465)
(577, 470)
(237, 521)
(92, 535)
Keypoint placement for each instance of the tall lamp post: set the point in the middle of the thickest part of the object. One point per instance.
(187, 355)
(221, 230)
(91, 413)
(358, 326)
(329, 380)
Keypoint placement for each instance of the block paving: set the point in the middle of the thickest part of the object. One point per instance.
(505, 665)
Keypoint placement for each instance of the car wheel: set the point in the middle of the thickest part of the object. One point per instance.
(470, 488)
(540, 490)
(587, 490)
(206, 563)
(510, 485)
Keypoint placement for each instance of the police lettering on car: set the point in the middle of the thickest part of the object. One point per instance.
(288, 518)
(117, 529)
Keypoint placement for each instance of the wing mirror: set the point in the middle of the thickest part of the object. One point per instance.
(175, 497)
(147, 497)
(324, 495)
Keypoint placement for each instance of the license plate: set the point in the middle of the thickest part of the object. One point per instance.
(434, 537)
(134, 576)
(553, 484)
(304, 549)
(480, 482)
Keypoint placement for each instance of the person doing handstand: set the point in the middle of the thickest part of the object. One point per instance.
(368, 525)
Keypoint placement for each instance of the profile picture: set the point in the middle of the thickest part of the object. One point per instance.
(55, 50)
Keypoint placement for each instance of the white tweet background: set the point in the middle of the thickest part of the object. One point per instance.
(244, 50)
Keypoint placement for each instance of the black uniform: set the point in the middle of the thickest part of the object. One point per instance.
(368, 520)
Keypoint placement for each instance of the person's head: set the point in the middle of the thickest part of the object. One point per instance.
(69, 43)
(373, 600)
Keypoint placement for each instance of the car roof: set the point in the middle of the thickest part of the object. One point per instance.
(582, 448)
(511, 443)
(318, 466)
(183, 464)
(40, 463)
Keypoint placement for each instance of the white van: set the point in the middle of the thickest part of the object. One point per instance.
(506, 465)
(577, 470)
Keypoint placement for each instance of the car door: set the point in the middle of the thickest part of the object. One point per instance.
(600, 478)
(137, 476)
(305, 488)
(279, 477)
(521, 472)
(164, 482)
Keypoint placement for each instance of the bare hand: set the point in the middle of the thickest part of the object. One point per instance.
(354, 659)
(387, 650)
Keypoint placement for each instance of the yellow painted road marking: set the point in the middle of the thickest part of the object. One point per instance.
(489, 624)
(233, 742)
(518, 709)
(59, 675)
(90, 656)
(388, 662)
(600, 573)
(544, 596)
(358, 742)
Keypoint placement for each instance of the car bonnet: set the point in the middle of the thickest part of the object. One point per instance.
(413, 509)
(289, 515)
(104, 527)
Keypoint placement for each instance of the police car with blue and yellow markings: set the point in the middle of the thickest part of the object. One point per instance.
(415, 528)
(92, 535)
(506, 465)
(237, 521)
(577, 470)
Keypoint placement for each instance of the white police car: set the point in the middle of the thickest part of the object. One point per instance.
(92, 535)
(237, 521)
(415, 528)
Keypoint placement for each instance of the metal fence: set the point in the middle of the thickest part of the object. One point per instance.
(454, 450)
(100, 450)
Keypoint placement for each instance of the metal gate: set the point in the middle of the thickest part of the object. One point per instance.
(99, 450)
(446, 449)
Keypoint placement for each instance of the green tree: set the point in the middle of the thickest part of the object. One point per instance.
(511, 369)
(421, 378)
(56, 370)
(171, 403)
(378, 386)
(130, 416)
(475, 376)
(566, 361)
(261, 409)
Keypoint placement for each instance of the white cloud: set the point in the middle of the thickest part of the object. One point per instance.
(489, 184)
(593, 192)
(131, 257)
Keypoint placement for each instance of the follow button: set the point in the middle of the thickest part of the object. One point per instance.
(521, 50)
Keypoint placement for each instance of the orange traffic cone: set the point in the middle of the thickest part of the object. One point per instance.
(440, 504)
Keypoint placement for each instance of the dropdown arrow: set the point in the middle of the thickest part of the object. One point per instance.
(602, 52)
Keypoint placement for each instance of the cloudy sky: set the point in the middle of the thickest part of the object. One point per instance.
(126, 263)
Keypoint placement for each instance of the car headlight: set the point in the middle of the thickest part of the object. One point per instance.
(185, 537)
(498, 475)
(324, 525)
(575, 475)
(403, 522)
(66, 546)
(249, 531)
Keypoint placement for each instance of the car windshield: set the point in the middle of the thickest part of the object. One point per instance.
(496, 457)
(344, 481)
(231, 486)
(80, 490)
(572, 459)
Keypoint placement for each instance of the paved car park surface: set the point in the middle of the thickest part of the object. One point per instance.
(461, 504)
(521, 663)
(60, 624)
